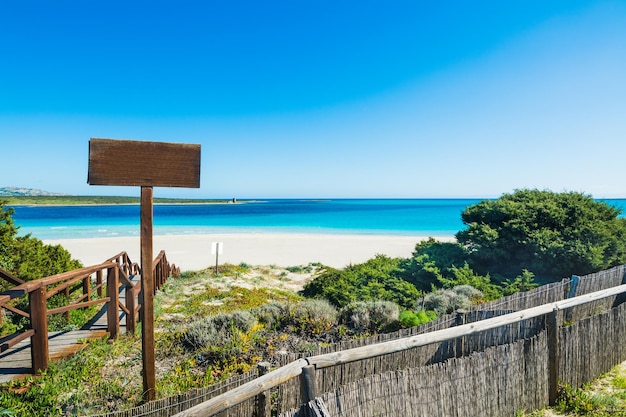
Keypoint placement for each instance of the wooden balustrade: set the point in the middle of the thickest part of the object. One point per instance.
(114, 273)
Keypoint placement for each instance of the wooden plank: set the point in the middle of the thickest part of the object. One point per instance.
(76, 306)
(9, 343)
(16, 311)
(139, 163)
(6, 275)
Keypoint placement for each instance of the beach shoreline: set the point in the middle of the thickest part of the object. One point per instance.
(193, 252)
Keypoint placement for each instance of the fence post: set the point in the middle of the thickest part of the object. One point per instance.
(263, 405)
(113, 318)
(553, 355)
(307, 384)
(39, 323)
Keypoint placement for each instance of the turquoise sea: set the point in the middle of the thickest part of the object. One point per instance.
(430, 217)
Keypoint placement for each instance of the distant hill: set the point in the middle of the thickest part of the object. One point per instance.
(28, 192)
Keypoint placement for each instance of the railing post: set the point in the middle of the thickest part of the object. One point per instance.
(131, 317)
(66, 293)
(39, 323)
(263, 404)
(553, 355)
(99, 282)
(113, 318)
(87, 287)
(308, 388)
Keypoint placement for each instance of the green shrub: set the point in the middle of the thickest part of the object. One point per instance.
(313, 316)
(551, 234)
(432, 260)
(272, 315)
(218, 330)
(446, 301)
(409, 318)
(27, 257)
(374, 280)
(370, 316)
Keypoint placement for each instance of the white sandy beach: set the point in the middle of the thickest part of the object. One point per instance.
(193, 252)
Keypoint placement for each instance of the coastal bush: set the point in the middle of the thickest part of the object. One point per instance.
(271, 314)
(27, 257)
(445, 301)
(218, 330)
(370, 316)
(409, 318)
(464, 276)
(432, 260)
(550, 234)
(313, 316)
(378, 279)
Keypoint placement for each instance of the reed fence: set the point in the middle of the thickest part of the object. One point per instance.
(497, 359)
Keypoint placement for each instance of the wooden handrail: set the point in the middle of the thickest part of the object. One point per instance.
(118, 271)
(253, 388)
(7, 276)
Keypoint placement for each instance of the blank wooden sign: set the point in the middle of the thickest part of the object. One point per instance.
(138, 163)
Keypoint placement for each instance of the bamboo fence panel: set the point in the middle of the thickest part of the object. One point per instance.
(592, 346)
(595, 282)
(497, 382)
(169, 406)
(545, 294)
(446, 360)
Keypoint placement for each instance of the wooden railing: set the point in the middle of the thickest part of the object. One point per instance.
(305, 368)
(116, 271)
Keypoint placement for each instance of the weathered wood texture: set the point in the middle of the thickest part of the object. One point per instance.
(139, 163)
(592, 346)
(496, 382)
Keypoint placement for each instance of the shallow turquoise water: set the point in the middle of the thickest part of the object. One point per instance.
(431, 217)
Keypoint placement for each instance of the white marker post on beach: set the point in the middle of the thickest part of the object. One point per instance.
(217, 248)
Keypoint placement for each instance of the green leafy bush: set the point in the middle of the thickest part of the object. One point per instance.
(551, 234)
(432, 260)
(409, 318)
(27, 257)
(378, 279)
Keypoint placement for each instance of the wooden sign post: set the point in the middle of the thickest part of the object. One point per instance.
(147, 165)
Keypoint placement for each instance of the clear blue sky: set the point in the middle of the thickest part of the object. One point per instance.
(321, 99)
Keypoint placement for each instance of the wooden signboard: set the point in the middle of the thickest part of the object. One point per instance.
(145, 164)
(136, 163)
